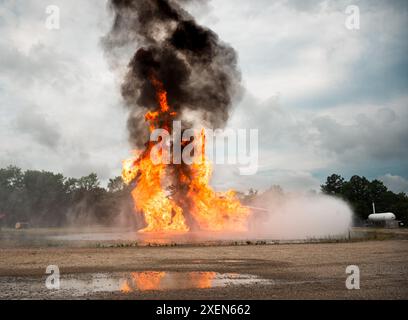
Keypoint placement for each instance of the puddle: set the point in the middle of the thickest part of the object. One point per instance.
(154, 280)
(91, 284)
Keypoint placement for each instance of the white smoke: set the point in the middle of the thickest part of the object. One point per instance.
(300, 216)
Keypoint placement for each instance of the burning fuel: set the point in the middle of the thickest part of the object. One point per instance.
(179, 67)
(178, 197)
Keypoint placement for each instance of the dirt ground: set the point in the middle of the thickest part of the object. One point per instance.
(284, 271)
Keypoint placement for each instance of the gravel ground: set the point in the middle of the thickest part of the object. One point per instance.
(287, 271)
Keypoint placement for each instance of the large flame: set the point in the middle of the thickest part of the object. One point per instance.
(207, 210)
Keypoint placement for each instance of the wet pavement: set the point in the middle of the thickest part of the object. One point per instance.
(89, 284)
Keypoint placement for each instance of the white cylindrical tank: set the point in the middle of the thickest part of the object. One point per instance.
(386, 216)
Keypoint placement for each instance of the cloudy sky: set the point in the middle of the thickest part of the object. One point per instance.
(325, 98)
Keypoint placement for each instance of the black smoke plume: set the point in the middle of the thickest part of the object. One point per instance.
(198, 71)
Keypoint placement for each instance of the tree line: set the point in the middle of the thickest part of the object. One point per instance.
(359, 192)
(46, 199)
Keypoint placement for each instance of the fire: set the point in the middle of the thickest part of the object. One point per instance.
(196, 205)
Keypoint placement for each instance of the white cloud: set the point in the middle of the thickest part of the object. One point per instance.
(395, 183)
(324, 98)
(58, 91)
(293, 144)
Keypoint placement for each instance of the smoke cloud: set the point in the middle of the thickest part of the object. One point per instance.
(198, 71)
(300, 217)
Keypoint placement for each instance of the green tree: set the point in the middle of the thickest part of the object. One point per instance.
(11, 178)
(334, 185)
(11, 194)
(360, 193)
(44, 197)
(89, 182)
(116, 184)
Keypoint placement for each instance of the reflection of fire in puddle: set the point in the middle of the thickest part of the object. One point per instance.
(154, 280)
